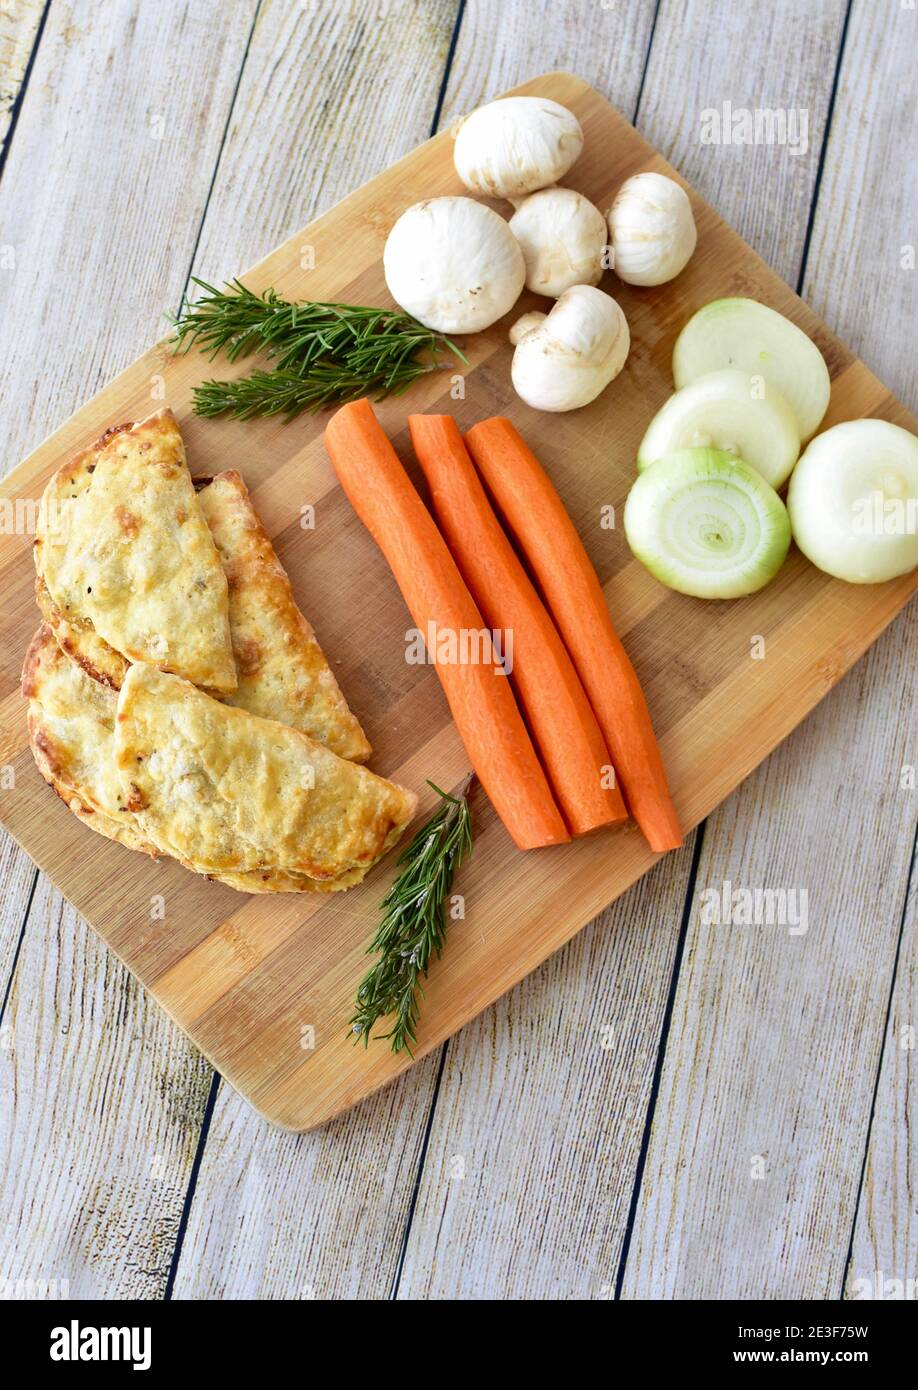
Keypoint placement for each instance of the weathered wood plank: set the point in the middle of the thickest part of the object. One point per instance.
(775, 1041)
(20, 21)
(500, 45)
(319, 1215)
(528, 1174)
(494, 1234)
(296, 147)
(886, 1229)
(96, 264)
(858, 266)
(17, 874)
(781, 56)
(862, 270)
(764, 1102)
(102, 1101)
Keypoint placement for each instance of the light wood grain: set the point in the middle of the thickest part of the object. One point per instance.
(19, 24)
(107, 289)
(862, 272)
(81, 312)
(886, 1229)
(500, 45)
(308, 1216)
(324, 137)
(528, 1176)
(241, 978)
(677, 1224)
(867, 214)
(17, 874)
(702, 56)
(764, 1102)
(94, 1169)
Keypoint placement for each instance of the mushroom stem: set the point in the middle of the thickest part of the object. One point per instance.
(525, 325)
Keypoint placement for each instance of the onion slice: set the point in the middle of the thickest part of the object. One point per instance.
(748, 335)
(732, 411)
(705, 523)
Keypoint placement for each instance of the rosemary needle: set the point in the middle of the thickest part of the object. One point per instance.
(414, 922)
(321, 354)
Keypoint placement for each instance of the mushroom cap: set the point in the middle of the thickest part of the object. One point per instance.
(454, 264)
(515, 145)
(652, 229)
(563, 237)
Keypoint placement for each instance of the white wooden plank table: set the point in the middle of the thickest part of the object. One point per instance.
(665, 1109)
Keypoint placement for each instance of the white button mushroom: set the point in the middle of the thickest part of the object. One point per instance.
(564, 359)
(454, 264)
(563, 237)
(515, 145)
(652, 230)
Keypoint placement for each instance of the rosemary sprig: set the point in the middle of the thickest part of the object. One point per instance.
(285, 393)
(414, 922)
(321, 353)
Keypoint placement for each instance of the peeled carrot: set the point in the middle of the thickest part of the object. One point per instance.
(478, 692)
(554, 552)
(555, 706)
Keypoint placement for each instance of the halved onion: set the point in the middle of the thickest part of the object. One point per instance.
(705, 523)
(853, 501)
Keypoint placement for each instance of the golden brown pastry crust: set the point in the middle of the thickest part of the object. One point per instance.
(230, 792)
(283, 673)
(125, 555)
(133, 554)
(71, 723)
(71, 730)
(81, 642)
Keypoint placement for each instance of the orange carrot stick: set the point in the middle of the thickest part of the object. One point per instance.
(478, 691)
(555, 706)
(555, 554)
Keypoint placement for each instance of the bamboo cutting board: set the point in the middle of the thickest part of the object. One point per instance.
(265, 986)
